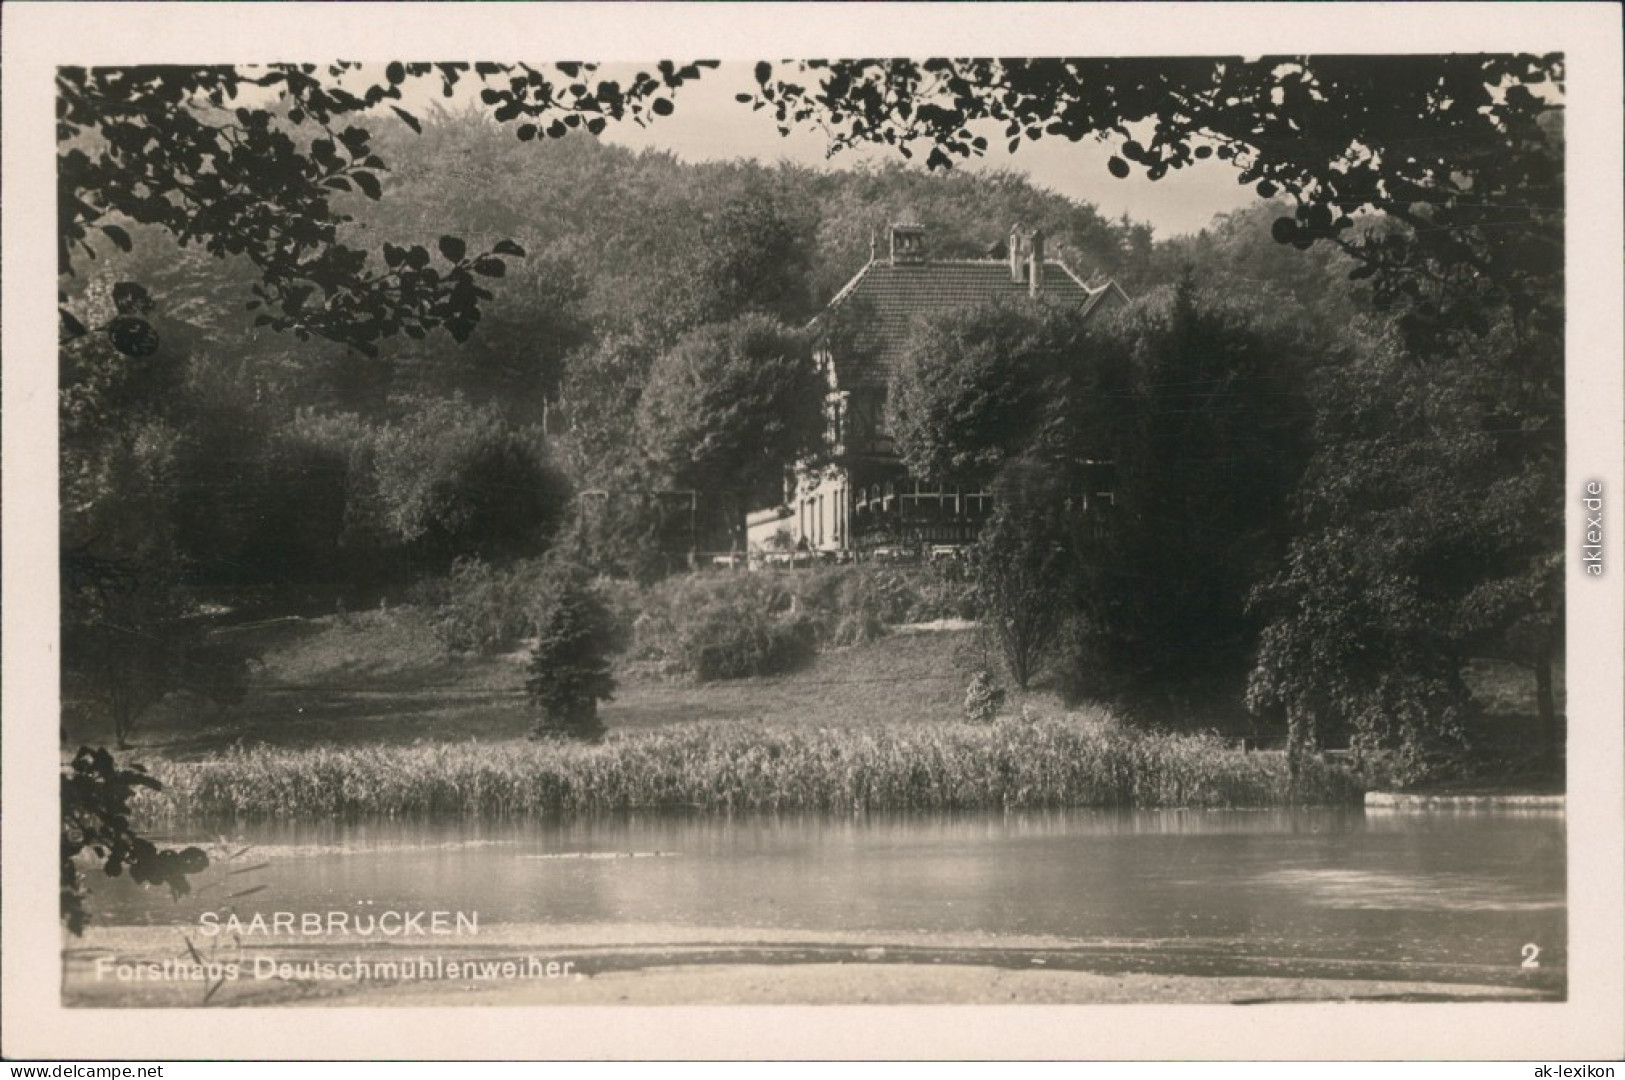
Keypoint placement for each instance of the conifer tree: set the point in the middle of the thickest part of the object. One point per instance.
(569, 667)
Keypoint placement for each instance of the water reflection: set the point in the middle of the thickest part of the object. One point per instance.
(1341, 884)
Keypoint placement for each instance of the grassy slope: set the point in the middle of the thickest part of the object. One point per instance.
(365, 714)
(380, 677)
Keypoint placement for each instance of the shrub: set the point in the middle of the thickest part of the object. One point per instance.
(725, 644)
(641, 538)
(771, 621)
(723, 626)
(456, 480)
(483, 609)
(984, 698)
(367, 549)
(131, 638)
(854, 604)
(255, 504)
(1081, 671)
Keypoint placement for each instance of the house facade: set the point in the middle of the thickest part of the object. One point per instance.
(863, 498)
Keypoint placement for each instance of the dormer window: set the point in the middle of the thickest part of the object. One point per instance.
(907, 244)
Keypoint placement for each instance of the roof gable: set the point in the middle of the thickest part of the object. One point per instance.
(885, 298)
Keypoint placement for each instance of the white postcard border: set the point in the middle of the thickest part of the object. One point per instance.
(40, 35)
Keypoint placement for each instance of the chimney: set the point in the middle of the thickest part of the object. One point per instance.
(907, 244)
(1035, 264)
(1018, 253)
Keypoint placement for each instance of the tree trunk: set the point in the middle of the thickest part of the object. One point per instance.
(122, 723)
(1302, 738)
(1549, 732)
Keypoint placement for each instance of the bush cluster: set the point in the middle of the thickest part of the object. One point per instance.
(443, 481)
(725, 626)
(709, 625)
(984, 699)
(853, 604)
(479, 608)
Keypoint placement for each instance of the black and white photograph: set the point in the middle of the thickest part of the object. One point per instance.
(653, 517)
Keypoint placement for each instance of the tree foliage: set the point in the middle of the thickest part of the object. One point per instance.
(1303, 292)
(260, 168)
(1209, 441)
(1026, 563)
(980, 385)
(257, 163)
(96, 794)
(1441, 179)
(131, 633)
(1428, 530)
(1167, 438)
(1434, 182)
(730, 407)
(1456, 151)
(753, 255)
(457, 480)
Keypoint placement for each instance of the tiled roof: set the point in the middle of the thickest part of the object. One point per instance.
(885, 299)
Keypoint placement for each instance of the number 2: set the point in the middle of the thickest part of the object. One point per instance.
(1531, 955)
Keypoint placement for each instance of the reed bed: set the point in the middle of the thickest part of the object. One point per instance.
(743, 766)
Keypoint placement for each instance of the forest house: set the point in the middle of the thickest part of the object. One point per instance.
(864, 499)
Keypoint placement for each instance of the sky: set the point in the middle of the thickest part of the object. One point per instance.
(710, 125)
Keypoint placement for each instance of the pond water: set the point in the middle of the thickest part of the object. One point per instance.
(1454, 896)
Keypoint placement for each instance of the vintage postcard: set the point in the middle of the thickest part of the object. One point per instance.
(785, 522)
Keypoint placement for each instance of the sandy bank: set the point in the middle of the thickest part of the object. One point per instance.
(645, 965)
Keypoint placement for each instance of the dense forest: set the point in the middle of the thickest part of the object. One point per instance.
(625, 255)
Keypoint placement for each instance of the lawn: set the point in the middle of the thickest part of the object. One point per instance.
(381, 678)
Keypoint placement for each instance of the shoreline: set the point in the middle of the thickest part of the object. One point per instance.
(1507, 800)
(677, 965)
